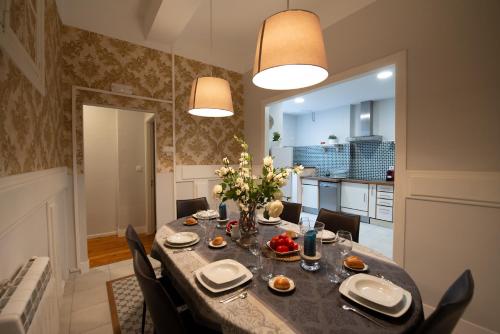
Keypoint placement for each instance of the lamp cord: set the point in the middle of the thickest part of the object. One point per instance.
(211, 37)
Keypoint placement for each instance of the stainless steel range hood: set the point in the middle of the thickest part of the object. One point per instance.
(362, 123)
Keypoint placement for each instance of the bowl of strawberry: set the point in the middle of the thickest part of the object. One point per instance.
(282, 244)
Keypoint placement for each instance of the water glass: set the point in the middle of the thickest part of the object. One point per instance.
(344, 243)
(267, 268)
(254, 248)
(334, 265)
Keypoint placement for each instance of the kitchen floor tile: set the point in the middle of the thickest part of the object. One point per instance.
(89, 297)
(90, 318)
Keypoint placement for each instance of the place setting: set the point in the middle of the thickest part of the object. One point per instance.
(181, 240)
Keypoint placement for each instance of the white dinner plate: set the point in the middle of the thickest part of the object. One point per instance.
(270, 283)
(376, 290)
(217, 289)
(181, 238)
(183, 245)
(223, 271)
(270, 221)
(206, 214)
(327, 235)
(395, 312)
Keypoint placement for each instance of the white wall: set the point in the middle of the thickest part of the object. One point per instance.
(289, 130)
(334, 121)
(29, 204)
(100, 138)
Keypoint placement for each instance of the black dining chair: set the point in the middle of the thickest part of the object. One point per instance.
(188, 207)
(291, 212)
(451, 306)
(335, 220)
(135, 245)
(164, 313)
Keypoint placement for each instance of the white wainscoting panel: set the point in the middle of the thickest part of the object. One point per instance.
(35, 213)
(452, 224)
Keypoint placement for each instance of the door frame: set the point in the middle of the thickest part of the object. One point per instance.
(399, 60)
(150, 175)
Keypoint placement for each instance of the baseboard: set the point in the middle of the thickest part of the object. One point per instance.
(463, 326)
(99, 235)
(139, 229)
(84, 266)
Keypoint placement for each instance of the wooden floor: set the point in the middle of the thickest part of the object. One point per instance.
(106, 250)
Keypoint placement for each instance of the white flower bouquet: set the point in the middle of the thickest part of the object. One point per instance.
(252, 192)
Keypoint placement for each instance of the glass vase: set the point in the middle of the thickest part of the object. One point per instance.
(248, 226)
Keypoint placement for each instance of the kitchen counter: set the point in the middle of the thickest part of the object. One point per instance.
(335, 180)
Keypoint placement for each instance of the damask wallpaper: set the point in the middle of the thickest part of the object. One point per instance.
(36, 131)
(32, 125)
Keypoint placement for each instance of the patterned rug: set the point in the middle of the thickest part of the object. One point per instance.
(125, 303)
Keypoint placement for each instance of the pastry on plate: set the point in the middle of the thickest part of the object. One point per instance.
(354, 262)
(282, 283)
(191, 221)
(217, 241)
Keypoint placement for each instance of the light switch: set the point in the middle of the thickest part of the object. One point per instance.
(138, 168)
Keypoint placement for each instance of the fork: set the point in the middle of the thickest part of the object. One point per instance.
(182, 250)
(352, 309)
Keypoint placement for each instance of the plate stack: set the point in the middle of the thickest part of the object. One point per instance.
(182, 239)
(270, 221)
(327, 237)
(223, 275)
(377, 294)
(206, 214)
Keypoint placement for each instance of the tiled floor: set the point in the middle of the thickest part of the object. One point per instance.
(85, 304)
(372, 236)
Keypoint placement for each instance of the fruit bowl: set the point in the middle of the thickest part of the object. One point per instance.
(282, 244)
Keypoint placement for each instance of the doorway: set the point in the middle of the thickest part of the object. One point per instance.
(344, 133)
(119, 163)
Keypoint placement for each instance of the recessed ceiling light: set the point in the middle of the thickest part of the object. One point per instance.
(384, 75)
(298, 100)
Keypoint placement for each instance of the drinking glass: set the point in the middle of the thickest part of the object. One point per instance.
(310, 252)
(254, 248)
(344, 243)
(267, 267)
(334, 264)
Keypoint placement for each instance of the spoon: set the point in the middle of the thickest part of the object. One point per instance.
(349, 308)
(242, 295)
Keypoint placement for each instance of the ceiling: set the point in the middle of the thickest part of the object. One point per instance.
(184, 24)
(364, 88)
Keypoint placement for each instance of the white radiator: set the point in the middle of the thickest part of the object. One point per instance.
(28, 302)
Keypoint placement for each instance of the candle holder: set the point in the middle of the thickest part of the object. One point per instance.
(311, 250)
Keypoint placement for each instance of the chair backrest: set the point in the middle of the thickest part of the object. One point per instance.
(335, 220)
(135, 244)
(187, 207)
(291, 212)
(451, 306)
(162, 309)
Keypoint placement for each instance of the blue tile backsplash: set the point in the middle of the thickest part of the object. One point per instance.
(361, 160)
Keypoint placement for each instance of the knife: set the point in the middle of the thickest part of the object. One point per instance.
(232, 297)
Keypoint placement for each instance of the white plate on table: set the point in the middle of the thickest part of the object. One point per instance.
(270, 283)
(397, 311)
(365, 268)
(270, 221)
(215, 288)
(194, 242)
(376, 290)
(223, 272)
(206, 214)
(327, 236)
(223, 244)
(181, 238)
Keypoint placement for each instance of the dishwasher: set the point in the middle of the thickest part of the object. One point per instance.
(329, 195)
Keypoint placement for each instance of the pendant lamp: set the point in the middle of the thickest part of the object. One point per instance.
(210, 96)
(290, 51)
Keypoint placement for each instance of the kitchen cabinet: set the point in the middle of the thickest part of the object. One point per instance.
(385, 196)
(310, 195)
(372, 200)
(354, 196)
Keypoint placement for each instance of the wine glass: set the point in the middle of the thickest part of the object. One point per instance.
(344, 243)
(254, 248)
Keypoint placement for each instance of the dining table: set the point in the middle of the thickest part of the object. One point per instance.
(315, 305)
